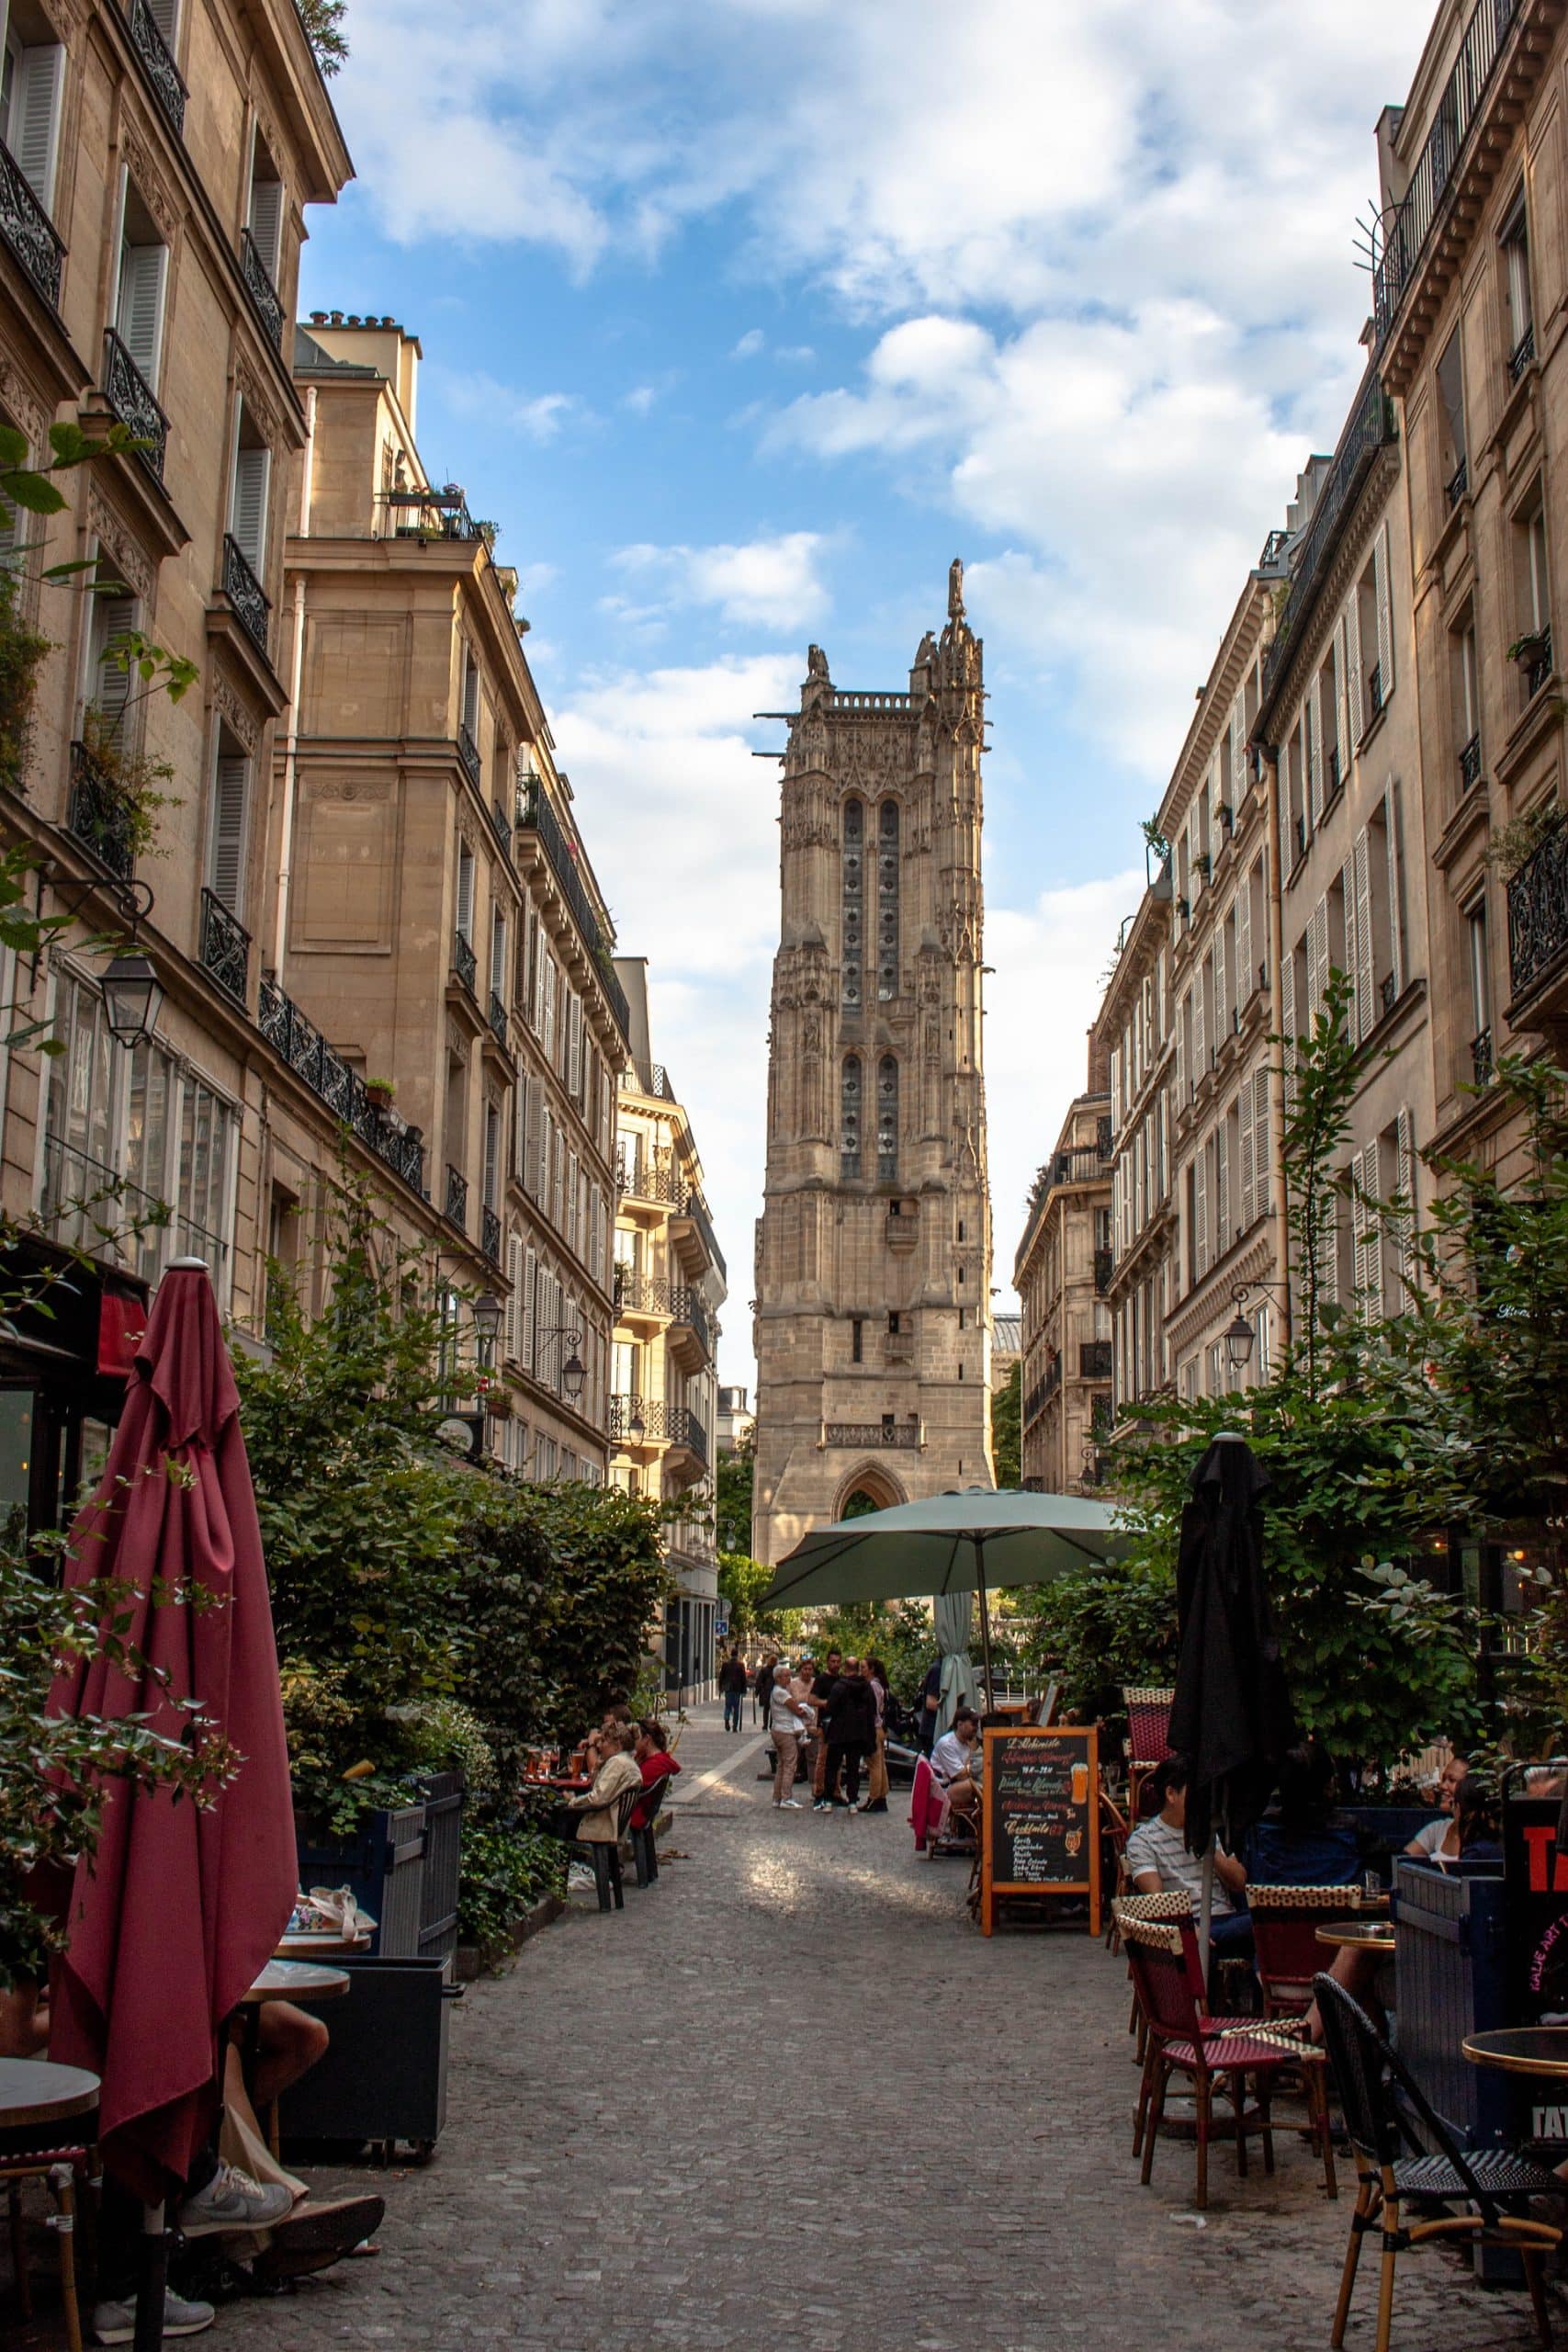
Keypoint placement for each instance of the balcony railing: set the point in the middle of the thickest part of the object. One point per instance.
(129, 395)
(1405, 239)
(1539, 669)
(1481, 1057)
(464, 963)
(100, 815)
(489, 1236)
(650, 1420)
(1374, 691)
(29, 231)
(1094, 1360)
(644, 1182)
(1522, 353)
(457, 1206)
(496, 1013)
(1370, 429)
(896, 1437)
(225, 947)
(259, 285)
(642, 1295)
(502, 825)
(1537, 913)
(1035, 1402)
(1104, 1266)
(1388, 991)
(435, 515)
(534, 813)
(156, 61)
(469, 753)
(90, 1206)
(1470, 763)
(1458, 482)
(246, 593)
(695, 1207)
(649, 1078)
(300, 1044)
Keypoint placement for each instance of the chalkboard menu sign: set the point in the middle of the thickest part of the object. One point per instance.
(1041, 1831)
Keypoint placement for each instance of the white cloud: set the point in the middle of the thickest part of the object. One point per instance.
(768, 582)
(537, 416)
(749, 345)
(640, 399)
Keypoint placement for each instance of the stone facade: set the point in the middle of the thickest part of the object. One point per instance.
(874, 1251)
(669, 1284)
(1137, 1023)
(1061, 1273)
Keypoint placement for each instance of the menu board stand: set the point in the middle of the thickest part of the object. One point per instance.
(1040, 1822)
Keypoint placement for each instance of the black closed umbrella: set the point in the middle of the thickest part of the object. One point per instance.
(1231, 1718)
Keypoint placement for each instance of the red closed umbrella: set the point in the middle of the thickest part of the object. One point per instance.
(182, 1906)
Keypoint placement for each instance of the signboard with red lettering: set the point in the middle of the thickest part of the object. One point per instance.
(1535, 1913)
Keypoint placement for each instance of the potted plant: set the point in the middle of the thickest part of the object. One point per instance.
(379, 1092)
(1529, 649)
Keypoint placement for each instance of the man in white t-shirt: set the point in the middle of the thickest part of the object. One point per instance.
(1159, 1862)
(958, 1760)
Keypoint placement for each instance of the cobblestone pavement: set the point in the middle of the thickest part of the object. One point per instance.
(790, 2098)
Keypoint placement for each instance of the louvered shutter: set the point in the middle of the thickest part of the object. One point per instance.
(1369, 1277)
(550, 1012)
(248, 522)
(1341, 702)
(1391, 835)
(230, 781)
(166, 15)
(1406, 1224)
(492, 1156)
(1288, 1021)
(108, 683)
(513, 1324)
(1238, 753)
(1262, 1163)
(497, 953)
(1247, 975)
(520, 1127)
(1368, 1008)
(1318, 959)
(1222, 1188)
(465, 894)
(530, 1285)
(1249, 1163)
(266, 223)
(1222, 987)
(1353, 665)
(574, 1229)
(1315, 757)
(1327, 1249)
(1194, 871)
(541, 960)
(574, 1051)
(138, 315)
(34, 118)
(533, 1145)
(1381, 594)
(1347, 964)
(1201, 1215)
(1199, 1031)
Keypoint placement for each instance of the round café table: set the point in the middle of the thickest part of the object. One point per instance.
(318, 1943)
(33, 2092)
(304, 1981)
(1360, 1934)
(1538, 2050)
(36, 2096)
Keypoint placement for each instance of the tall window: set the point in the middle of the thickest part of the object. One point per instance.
(1513, 241)
(466, 892)
(853, 954)
(886, 1118)
(263, 221)
(107, 685)
(1480, 985)
(1451, 422)
(141, 286)
(248, 492)
(225, 832)
(851, 1107)
(33, 76)
(887, 903)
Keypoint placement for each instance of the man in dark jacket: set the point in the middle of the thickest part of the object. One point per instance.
(732, 1680)
(852, 1734)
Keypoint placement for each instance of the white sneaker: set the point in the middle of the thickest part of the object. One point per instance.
(789, 1805)
(233, 2201)
(116, 2322)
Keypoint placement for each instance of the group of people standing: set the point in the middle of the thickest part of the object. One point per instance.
(827, 1722)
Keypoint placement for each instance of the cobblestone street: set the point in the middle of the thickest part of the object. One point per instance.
(791, 2098)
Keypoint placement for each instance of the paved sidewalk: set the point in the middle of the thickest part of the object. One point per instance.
(790, 2099)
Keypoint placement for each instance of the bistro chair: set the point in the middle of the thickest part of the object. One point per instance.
(603, 1855)
(1494, 2181)
(1285, 1921)
(1212, 2052)
(645, 1846)
(62, 2168)
(1115, 1830)
(1148, 1729)
(1176, 1905)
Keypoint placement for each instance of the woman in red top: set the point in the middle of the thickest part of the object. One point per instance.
(654, 1761)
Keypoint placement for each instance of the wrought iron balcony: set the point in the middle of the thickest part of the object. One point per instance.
(1539, 667)
(1035, 1402)
(29, 231)
(1094, 1360)
(469, 753)
(1388, 991)
(1522, 353)
(897, 1437)
(300, 1044)
(650, 1420)
(225, 954)
(1369, 429)
(1538, 915)
(1458, 482)
(643, 1295)
(259, 285)
(696, 1209)
(688, 1309)
(1481, 1057)
(129, 395)
(501, 823)
(496, 1014)
(100, 813)
(643, 1182)
(457, 1210)
(1374, 691)
(489, 1236)
(1405, 238)
(156, 61)
(535, 815)
(464, 963)
(1470, 763)
(246, 593)
(1104, 1266)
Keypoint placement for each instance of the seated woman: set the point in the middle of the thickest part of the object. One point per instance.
(589, 1819)
(1302, 1841)
(1439, 1839)
(654, 1761)
(958, 1759)
(1159, 1862)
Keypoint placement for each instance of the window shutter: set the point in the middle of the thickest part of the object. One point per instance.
(1352, 626)
(1238, 753)
(1248, 1204)
(1222, 987)
(540, 960)
(492, 1156)
(1367, 1009)
(514, 1327)
(1341, 702)
(1262, 1165)
(1201, 1215)
(1381, 594)
(1318, 959)
(1369, 1273)
(1347, 964)
(1287, 1019)
(266, 223)
(108, 685)
(35, 117)
(1328, 1251)
(1222, 1188)
(498, 952)
(574, 1049)
(1406, 1223)
(227, 856)
(1200, 1032)
(573, 1233)
(465, 893)
(520, 1125)
(1247, 972)
(1391, 832)
(138, 316)
(166, 15)
(248, 522)
(530, 1282)
(1314, 737)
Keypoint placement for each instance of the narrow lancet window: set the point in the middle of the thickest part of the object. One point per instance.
(886, 1119)
(850, 1112)
(854, 958)
(887, 903)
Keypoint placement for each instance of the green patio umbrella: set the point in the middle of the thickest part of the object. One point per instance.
(982, 1539)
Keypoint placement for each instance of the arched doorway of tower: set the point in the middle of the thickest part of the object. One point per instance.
(868, 1488)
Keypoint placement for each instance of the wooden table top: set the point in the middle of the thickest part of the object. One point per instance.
(318, 1943)
(1539, 2050)
(34, 2090)
(298, 1980)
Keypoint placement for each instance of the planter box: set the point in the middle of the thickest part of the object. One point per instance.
(470, 1961)
(1450, 1974)
(384, 2076)
(443, 1795)
(384, 1866)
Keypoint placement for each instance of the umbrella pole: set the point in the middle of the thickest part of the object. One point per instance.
(152, 2281)
(1206, 1913)
(984, 1624)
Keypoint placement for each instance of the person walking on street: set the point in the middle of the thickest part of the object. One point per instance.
(732, 1680)
(822, 1683)
(789, 1720)
(875, 1674)
(852, 1734)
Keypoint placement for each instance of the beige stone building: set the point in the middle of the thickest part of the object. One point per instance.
(874, 1255)
(1061, 1275)
(1136, 1025)
(1469, 325)
(669, 1284)
(154, 165)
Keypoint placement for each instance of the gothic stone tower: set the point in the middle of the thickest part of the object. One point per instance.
(874, 1249)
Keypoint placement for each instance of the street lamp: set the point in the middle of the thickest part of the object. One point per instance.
(487, 1313)
(1240, 1337)
(132, 997)
(573, 1372)
(636, 1428)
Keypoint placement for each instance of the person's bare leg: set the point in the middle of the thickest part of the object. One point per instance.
(288, 2045)
(1358, 1971)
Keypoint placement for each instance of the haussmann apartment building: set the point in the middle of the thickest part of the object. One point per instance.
(1060, 1274)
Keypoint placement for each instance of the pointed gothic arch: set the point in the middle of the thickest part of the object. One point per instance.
(874, 1479)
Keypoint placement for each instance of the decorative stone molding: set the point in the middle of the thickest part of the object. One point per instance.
(259, 404)
(136, 569)
(151, 185)
(232, 706)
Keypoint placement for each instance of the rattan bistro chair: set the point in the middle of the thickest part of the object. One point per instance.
(1148, 1735)
(62, 2168)
(1212, 2051)
(1285, 1921)
(1495, 2182)
(645, 1845)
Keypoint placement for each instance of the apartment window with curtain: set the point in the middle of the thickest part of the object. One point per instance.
(1517, 309)
(32, 84)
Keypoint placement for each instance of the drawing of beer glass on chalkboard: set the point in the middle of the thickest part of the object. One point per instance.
(1080, 1787)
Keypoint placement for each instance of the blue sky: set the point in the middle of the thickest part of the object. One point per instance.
(743, 317)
